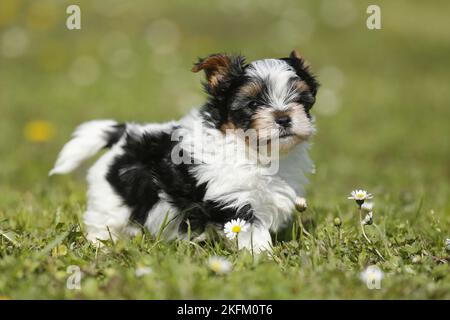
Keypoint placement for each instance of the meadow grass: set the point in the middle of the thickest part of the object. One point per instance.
(382, 117)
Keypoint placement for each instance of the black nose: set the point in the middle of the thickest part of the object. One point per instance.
(283, 121)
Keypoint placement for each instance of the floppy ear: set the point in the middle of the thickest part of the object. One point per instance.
(302, 68)
(219, 70)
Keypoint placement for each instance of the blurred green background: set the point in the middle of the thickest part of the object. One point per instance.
(382, 112)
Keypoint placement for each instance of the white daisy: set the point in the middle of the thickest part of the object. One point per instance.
(300, 204)
(219, 265)
(234, 227)
(447, 244)
(360, 196)
(372, 276)
(142, 271)
(368, 219)
(367, 206)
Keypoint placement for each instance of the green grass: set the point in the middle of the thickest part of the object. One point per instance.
(389, 135)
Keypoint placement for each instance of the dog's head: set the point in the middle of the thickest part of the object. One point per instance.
(270, 95)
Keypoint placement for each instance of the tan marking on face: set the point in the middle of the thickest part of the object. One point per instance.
(301, 124)
(227, 126)
(302, 86)
(263, 120)
(278, 113)
(251, 89)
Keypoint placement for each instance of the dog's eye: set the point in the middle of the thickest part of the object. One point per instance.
(252, 104)
(307, 100)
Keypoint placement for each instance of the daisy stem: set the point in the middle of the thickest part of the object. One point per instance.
(340, 235)
(302, 228)
(379, 254)
(237, 243)
(362, 226)
(365, 236)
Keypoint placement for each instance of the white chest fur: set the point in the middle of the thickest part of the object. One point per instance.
(236, 181)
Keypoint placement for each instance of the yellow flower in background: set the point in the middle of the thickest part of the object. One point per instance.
(39, 131)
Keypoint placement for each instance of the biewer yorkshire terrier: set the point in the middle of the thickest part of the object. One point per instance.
(156, 176)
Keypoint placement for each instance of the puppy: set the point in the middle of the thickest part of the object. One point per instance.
(182, 177)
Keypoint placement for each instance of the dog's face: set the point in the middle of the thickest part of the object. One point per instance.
(271, 95)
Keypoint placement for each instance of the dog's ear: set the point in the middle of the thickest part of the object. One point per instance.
(303, 70)
(219, 69)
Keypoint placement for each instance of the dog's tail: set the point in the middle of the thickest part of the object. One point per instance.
(88, 139)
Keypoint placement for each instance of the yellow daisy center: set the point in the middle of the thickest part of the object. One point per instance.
(371, 277)
(216, 266)
(236, 229)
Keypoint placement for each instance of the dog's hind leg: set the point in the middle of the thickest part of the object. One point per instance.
(106, 216)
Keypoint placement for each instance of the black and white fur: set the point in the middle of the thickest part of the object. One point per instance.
(137, 184)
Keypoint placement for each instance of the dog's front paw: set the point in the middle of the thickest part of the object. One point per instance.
(256, 239)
